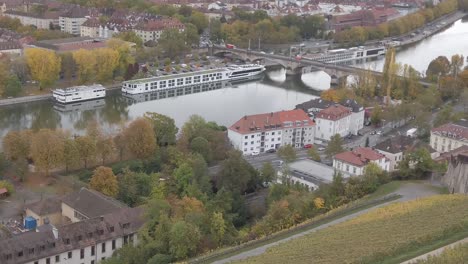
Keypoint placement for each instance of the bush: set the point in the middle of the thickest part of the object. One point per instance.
(84, 175)
(8, 186)
(133, 165)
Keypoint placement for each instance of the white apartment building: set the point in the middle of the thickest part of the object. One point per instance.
(44, 21)
(449, 136)
(333, 120)
(85, 242)
(72, 20)
(152, 30)
(260, 133)
(354, 162)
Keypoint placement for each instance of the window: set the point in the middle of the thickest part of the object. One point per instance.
(103, 247)
(253, 136)
(57, 258)
(245, 143)
(82, 253)
(79, 238)
(126, 225)
(47, 261)
(131, 238)
(36, 262)
(20, 254)
(125, 240)
(103, 258)
(92, 262)
(113, 244)
(70, 255)
(111, 229)
(67, 241)
(246, 137)
(92, 250)
(272, 133)
(31, 251)
(347, 167)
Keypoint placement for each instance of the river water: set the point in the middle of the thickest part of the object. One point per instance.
(224, 104)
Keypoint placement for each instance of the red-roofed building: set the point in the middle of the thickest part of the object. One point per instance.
(152, 30)
(333, 120)
(449, 136)
(355, 161)
(363, 18)
(259, 133)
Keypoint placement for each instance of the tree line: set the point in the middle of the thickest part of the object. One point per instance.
(358, 35)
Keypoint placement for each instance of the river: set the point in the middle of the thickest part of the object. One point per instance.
(225, 104)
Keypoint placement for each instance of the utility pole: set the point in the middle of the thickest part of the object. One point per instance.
(259, 44)
(249, 44)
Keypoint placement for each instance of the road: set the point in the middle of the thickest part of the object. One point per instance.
(408, 191)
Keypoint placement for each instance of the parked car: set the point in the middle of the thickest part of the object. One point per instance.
(307, 146)
(373, 132)
(255, 153)
(321, 149)
(379, 132)
(271, 151)
(349, 136)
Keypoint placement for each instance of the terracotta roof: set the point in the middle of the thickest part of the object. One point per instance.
(3, 190)
(45, 206)
(334, 112)
(91, 203)
(160, 24)
(396, 144)
(271, 121)
(457, 130)
(359, 157)
(446, 156)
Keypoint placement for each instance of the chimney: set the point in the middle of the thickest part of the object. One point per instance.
(245, 117)
(55, 232)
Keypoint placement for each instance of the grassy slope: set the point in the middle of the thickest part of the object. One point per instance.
(378, 235)
(456, 255)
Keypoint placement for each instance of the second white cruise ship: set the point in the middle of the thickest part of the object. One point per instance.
(79, 93)
(235, 72)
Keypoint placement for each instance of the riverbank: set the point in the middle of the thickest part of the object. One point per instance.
(430, 29)
(42, 97)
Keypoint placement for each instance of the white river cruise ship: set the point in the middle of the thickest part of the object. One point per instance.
(79, 93)
(235, 72)
(342, 55)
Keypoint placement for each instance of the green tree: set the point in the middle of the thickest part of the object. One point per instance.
(235, 173)
(184, 239)
(172, 42)
(202, 146)
(376, 116)
(218, 227)
(104, 181)
(7, 185)
(313, 154)
(130, 36)
(164, 128)
(335, 146)
(267, 173)
(183, 176)
(287, 153)
(191, 35)
(12, 86)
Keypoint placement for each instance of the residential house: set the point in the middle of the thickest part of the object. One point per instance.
(49, 209)
(355, 161)
(152, 30)
(89, 241)
(449, 136)
(11, 48)
(333, 120)
(363, 18)
(72, 20)
(47, 20)
(262, 132)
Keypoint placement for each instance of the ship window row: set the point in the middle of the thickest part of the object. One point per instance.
(180, 81)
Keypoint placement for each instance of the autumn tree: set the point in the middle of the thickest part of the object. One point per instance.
(70, 153)
(376, 116)
(86, 63)
(16, 145)
(313, 154)
(86, 149)
(140, 138)
(44, 66)
(105, 148)
(47, 149)
(335, 146)
(107, 60)
(104, 181)
(184, 238)
(267, 173)
(330, 95)
(438, 66)
(125, 55)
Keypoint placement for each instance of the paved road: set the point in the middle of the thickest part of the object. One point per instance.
(408, 191)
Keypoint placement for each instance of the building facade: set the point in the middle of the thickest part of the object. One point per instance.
(449, 136)
(260, 133)
(354, 162)
(45, 21)
(333, 120)
(152, 30)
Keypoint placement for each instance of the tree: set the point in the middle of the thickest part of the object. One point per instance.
(107, 61)
(267, 173)
(140, 138)
(86, 149)
(313, 154)
(68, 65)
(130, 36)
(47, 149)
(191, 35)
(105, 148)
(7, 185)
(235, 173)
(438, 66)
(376, 116)
(70, 153)
(164, 127)
(16, 145)
(86, 63)
(184, 239)
(202, 146)
(199, 20)
(104, 181)
(218, 227)
(12, 86)
(44, 66)
(172, 42)
(335, 146)
(183, 176)
(367, 142)
(287, 153)
(456, 63)
(125, 56)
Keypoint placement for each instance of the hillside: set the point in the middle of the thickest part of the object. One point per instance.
(456, 255)
(377, 236)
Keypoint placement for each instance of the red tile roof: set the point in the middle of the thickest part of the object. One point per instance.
(359, 157)
(457, 130)
(271, 121)
(3, 191)
(334, 112)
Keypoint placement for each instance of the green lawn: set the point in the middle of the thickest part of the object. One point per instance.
(456, 255)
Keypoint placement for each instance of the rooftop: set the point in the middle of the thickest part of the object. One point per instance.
(316, 170)
(334, 112)
(359, 157)
(91, 203)
(272, 121)
(457, 130)
(396, 144)
(45, 206)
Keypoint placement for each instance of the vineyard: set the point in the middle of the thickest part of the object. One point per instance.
(376, 236)
(456, 255)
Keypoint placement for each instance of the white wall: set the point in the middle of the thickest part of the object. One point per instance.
(394, 158)
(347, 168)
(356, 122)
(328, 128)
(444, 144)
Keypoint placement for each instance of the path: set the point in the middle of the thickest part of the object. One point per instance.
(436, 252)
(408, 191)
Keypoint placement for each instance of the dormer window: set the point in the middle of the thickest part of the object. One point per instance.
(67, 241)
(111, 229)
(20, 254)
(126, 225)
(31, 251)
(90, 234)
(100, 232)
(42, 247)
(79, 238)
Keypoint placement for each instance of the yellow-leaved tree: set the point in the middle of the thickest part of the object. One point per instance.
(140, 138)
(86, 63)
(44, 66)
(47, 149)
(107, 61)
(104, 181)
